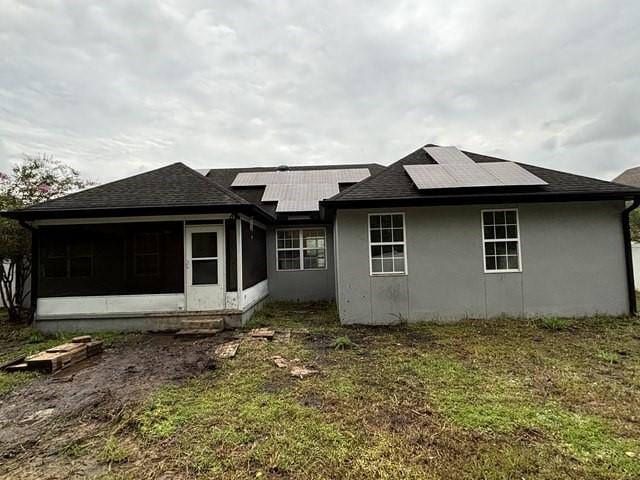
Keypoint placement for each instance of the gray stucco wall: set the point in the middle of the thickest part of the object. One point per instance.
(572, 264)
(301, 285)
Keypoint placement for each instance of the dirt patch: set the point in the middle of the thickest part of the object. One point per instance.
(42, 416)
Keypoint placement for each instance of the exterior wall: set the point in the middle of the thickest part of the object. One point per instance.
(300, 285)
(635, 253)
(573, 264)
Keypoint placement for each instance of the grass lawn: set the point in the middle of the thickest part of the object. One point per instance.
(484, 399)
(502, 399)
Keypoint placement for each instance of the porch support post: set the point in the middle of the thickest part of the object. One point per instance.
(239, 261)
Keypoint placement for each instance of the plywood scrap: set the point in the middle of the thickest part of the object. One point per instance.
(227, 350)
(302, 372)
(282, 336)
(266, 333)
(295, 369)
(280, 361)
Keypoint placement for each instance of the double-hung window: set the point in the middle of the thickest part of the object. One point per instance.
(387, 247)
(301, 249)
(501, 240)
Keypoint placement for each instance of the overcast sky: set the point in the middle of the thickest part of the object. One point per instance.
(117, 87)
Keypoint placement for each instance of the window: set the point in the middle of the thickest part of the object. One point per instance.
(387, 248)
(146, 254)
(501, 240)
(301, 249)
(68, 259)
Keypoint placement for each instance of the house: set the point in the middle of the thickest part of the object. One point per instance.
(440, 235)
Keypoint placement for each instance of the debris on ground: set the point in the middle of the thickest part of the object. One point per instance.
(302, 372)
(227, 350)
(280, 361)
(43, 415)
(282, 336)
(58, 357)
(299, 371)
(265, 333)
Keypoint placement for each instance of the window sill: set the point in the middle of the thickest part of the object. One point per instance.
(494, 272)
(304, 270)
(374, 275)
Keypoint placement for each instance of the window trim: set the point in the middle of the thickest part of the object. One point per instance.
(301, 249)
(494, 240)
(403, 243)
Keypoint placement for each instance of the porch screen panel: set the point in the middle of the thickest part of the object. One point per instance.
(254, 255)
(111, 259)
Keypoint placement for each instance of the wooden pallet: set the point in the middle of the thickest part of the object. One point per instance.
(64, 355)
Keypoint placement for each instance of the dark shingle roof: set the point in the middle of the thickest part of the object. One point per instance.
(630, 176)
(172, 186)
(393, 184)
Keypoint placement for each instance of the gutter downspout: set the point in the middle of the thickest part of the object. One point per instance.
(626, 232)
(35, 261)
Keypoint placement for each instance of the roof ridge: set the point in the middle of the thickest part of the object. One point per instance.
(213, 183)
(337, 166)
(609, 182)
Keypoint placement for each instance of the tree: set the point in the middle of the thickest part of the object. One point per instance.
(634, 225)
(34, 180)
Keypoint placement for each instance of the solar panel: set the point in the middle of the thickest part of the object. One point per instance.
(260, 179)
(430, 176)
(299, 190)
(448, 156)
(492, 174)
(510, 173)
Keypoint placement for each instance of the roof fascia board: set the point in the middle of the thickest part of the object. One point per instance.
(478, 200)
(30, 215)
(132, 219)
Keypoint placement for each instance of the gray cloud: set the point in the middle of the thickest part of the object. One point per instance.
(117, 87)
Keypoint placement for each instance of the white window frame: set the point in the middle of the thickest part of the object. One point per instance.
(301, 249)
(403, 243)
(495, 240)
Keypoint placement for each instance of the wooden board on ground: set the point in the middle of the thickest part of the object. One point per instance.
(67, 347)
(16, 367)
(262, 333)
(12, 362)
(62, 356)
(227, 350)
(82, 339)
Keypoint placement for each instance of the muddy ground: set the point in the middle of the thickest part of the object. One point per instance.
(56, 411)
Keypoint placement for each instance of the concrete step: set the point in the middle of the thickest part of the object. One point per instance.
(198, 332)
(206, 323)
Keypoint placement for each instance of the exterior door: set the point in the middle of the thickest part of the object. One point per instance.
(204, 267)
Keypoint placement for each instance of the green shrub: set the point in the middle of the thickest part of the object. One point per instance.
(342, 343)
(554, 323)
(608, 357)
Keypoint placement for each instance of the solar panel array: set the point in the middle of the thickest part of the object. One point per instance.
(456, 170)
(300, 177)
(299, 190)
(448, 156)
